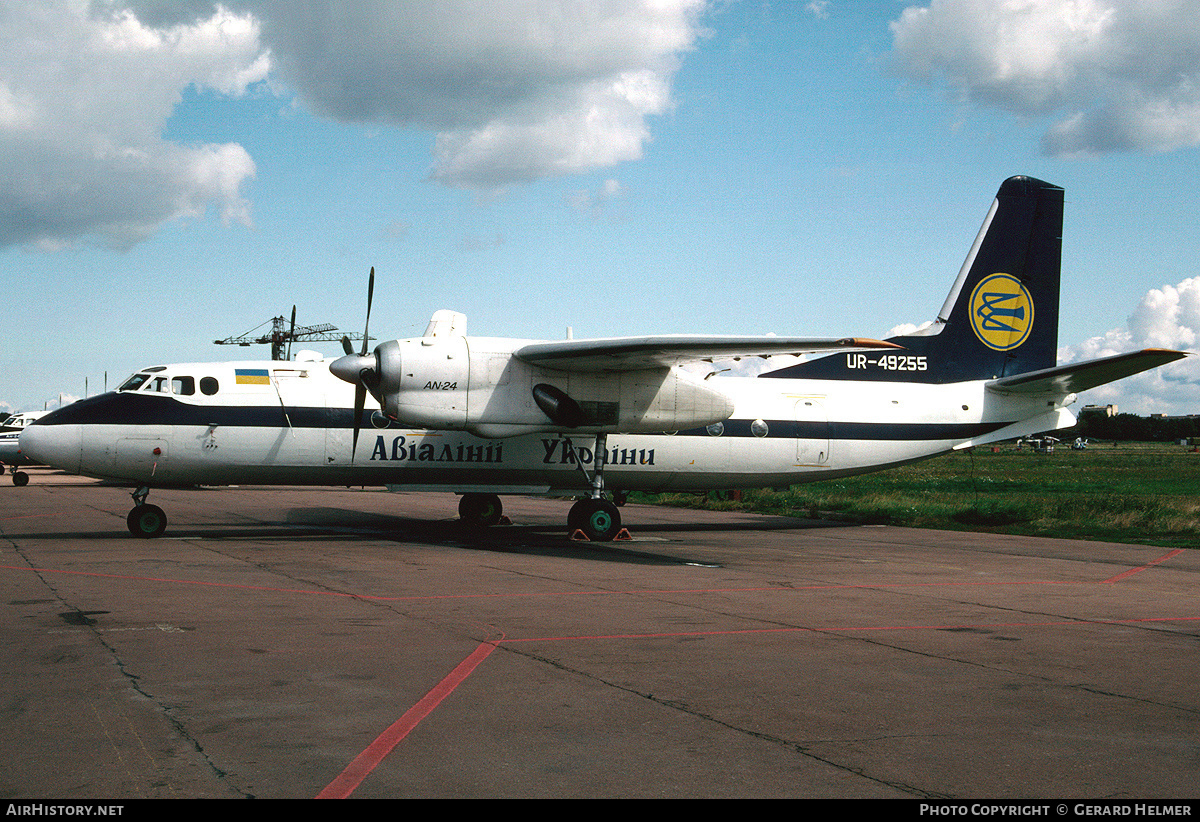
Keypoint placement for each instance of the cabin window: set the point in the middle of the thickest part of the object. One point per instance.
(758, 428)
(183, 386)
(209, 386)
(716, 429)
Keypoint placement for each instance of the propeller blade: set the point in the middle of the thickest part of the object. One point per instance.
(342, 368)
(360, 398)
(291, 333)
(367, 324)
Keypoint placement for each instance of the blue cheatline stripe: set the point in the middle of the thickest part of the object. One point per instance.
(156, 409)
(834, 430)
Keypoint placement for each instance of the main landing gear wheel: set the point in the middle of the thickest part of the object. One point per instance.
(598, 519)
(20, 478)
(480, 510)
(146, 521)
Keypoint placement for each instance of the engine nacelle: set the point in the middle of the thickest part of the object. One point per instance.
(475, 384)
(424, 382)
(643, 401)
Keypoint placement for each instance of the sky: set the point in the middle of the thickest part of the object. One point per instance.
(173, 173)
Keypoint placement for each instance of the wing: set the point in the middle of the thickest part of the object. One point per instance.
(638, 353)
(1075, 377)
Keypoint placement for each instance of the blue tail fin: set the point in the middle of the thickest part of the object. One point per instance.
(1001, 317)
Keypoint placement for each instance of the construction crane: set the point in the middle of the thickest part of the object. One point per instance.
(282, 334)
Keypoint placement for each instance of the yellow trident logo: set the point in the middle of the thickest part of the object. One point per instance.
(1001, 312)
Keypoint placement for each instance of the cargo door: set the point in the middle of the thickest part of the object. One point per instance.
(812, 433)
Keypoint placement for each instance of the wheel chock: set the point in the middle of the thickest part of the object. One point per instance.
(504, 520)
(622, 536)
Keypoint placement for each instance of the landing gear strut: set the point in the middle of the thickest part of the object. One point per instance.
(145, 520)
(594, 516)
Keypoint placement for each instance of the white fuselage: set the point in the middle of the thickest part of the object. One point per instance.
(291, 423)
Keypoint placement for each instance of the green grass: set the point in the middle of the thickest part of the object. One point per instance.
(1143, 493)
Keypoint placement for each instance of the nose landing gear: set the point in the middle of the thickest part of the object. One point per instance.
(145, 520)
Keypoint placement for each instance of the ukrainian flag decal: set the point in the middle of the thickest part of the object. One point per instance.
(1001, 312)
(251, 376)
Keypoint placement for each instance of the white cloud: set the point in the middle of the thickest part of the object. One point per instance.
(907, 329)
(1167, 317)
(515, 89)
(59, 401)
(1120, 75)
(85, 92)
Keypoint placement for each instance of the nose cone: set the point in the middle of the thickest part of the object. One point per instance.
(349, 367)
(59, 446)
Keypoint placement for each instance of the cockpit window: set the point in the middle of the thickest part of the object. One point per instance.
(134, 383)
(149, 380)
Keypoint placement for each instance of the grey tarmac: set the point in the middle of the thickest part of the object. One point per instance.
(303, 642)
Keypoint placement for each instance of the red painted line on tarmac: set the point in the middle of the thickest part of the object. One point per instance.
(618, 592)
(365, 763)
(632, 591)
(1138, 570)
(348, 780)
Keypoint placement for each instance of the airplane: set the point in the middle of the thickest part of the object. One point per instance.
(10, 450)
(597, 418)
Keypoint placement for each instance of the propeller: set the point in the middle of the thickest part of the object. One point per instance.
(358, 369)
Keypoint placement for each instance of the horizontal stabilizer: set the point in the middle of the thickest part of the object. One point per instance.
(639, 353)
(1075, 377)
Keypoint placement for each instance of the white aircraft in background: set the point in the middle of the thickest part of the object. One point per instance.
(10, 448)
(486, 416)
